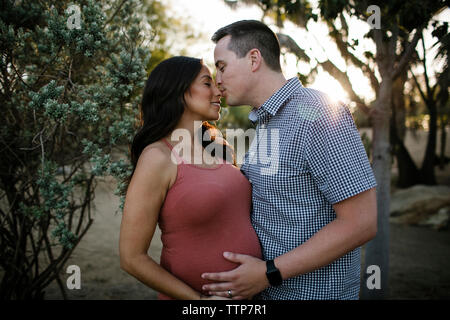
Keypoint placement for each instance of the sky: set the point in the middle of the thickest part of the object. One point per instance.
(206, 16)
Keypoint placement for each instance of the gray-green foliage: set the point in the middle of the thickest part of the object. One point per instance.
(69, 99)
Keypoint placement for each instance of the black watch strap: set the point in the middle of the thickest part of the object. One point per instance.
(273, 274)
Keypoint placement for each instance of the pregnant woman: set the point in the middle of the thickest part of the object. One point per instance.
(200, 200)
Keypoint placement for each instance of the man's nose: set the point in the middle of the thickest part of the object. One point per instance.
(219, 83)
(217, 91)
(218, 79)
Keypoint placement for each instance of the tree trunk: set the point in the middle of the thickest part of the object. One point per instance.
(377, 250)
(398, 105)
(408, 173)
(427, 171)
(443, 142)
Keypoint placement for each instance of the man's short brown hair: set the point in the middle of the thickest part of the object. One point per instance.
(251, 34)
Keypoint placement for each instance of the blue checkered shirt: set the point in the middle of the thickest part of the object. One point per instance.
(306, 156)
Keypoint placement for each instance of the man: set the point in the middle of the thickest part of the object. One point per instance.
(314, 211)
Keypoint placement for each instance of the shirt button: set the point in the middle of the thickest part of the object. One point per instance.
(250, 180)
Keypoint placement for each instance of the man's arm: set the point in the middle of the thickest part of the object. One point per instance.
(355, 224)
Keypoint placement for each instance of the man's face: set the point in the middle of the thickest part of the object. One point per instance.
(232, 76)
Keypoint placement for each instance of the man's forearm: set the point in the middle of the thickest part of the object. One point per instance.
(330, 243)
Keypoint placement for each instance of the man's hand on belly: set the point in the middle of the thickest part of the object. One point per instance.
(244, 281)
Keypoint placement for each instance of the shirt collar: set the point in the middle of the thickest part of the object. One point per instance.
(273, 104)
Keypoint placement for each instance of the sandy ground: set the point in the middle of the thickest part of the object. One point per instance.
(419, 257)
(97, 255)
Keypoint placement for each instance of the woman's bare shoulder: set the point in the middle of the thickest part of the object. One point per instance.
(155, 157)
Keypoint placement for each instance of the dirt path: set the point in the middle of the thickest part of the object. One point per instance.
(419, 263)
(97, 255)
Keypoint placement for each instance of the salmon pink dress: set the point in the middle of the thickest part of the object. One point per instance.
(205, 213)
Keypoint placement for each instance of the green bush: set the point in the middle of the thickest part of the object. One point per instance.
(69, 98)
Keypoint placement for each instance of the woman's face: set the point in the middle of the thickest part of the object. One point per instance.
(203, 98)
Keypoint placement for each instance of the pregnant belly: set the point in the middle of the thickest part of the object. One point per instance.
(188, 263)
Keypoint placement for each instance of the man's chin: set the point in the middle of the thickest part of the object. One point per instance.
(232, 103)
(236, 105)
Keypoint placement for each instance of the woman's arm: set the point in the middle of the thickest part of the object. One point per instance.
(145, 196)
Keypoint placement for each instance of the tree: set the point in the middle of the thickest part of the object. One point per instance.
(70, 83)
(401, 27)
(435, 99)
(443, 79)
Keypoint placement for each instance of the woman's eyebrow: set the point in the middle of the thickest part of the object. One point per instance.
(206, 76)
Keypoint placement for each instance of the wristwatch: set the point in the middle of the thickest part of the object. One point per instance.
(273, 274)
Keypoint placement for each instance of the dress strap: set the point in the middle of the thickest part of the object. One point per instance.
(177, 156)
(167, 143)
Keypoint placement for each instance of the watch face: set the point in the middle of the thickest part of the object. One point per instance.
(273, 274)
(274, 277)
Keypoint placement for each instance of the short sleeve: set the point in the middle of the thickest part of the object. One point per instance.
(335, 155)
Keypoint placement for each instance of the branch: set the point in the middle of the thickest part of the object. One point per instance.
(116, 12)
(328, 66)
(381, 48)
(393, 41)
(46, 67)
(39, 134)
(19, 76)
(348, 56)
(12, 152)
(424, 62)
(344, 81)
(290, 44)
(418, 86)
(52, 262)
(407, 54)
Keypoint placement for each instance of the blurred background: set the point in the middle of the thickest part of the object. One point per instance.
(72, 74)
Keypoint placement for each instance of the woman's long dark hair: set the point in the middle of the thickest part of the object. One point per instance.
(163, 101)
(163, 104)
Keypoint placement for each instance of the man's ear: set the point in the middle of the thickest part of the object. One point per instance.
(255, 59)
